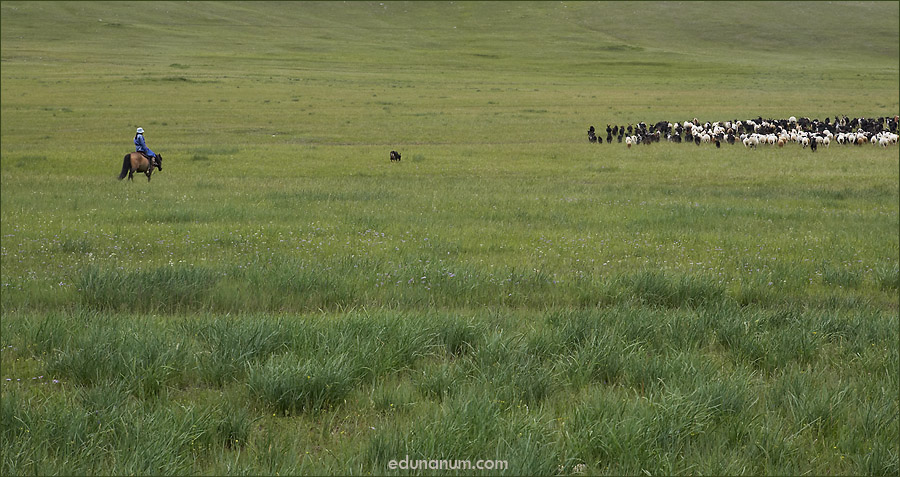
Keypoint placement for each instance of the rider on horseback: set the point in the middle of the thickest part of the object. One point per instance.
(141, 146)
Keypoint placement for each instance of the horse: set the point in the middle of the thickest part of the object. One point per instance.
(138, 162)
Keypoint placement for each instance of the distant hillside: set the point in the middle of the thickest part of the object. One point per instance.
(540, 34)
(360, 72)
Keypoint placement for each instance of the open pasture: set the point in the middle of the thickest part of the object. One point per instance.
(283, 298)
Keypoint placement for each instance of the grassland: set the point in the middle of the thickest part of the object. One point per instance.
(282, 299)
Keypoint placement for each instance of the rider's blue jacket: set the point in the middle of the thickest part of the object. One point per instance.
(141, 146)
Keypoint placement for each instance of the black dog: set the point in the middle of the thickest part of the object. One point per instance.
(395, 156)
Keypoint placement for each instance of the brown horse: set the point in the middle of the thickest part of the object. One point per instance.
(137, 162)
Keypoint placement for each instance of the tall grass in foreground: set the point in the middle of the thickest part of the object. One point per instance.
(624, 389)
(291, 384)
(103, 429)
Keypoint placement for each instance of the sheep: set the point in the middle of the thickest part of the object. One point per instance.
(717, 130)
(804, 131)
(887, 139)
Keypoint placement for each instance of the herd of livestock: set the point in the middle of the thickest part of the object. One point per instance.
(752, 133)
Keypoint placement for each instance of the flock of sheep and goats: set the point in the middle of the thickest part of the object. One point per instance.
(753, 133)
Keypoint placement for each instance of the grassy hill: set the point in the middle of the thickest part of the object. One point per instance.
(282, 299)
(343, 73)
(439, 33)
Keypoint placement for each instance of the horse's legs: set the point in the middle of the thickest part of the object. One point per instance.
(131, 174)
(148, 174)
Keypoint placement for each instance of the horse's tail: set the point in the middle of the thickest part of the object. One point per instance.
(126, 164)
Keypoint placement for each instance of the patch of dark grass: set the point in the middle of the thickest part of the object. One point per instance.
(887, 277)
(290, 384)
(229, 346)
(31, 160)
(76, 245)
(157, 289)
(660, 289)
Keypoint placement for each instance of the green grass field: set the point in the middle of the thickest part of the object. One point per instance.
(282, 299)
